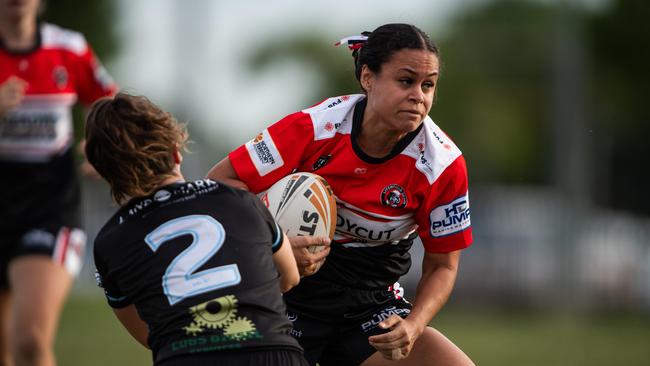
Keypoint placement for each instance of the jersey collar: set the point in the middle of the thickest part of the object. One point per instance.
(357, 119)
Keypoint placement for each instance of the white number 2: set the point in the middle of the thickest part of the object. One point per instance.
(180, 280)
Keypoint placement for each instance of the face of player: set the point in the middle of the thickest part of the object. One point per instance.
(401, 94)
(14, 10)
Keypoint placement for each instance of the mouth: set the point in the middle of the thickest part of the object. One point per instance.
(411, 113)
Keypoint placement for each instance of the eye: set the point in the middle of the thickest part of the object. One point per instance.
(428, 85)
(406, 81)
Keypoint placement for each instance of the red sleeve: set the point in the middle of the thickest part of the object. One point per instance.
(93, 81)
(444, 219)
(274, 153)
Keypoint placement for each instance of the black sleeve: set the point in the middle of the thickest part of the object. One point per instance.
(276, 233)
(115, 297)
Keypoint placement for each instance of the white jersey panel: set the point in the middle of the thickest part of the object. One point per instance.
(332, 116)
(432, 150)
(57, 37)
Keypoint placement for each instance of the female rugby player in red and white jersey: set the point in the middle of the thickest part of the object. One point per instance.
(396, 175)
(44, 71)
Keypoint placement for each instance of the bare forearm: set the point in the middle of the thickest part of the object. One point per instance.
(434, 288)
(224, 171)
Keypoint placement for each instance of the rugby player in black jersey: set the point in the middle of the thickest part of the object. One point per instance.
(189, 267)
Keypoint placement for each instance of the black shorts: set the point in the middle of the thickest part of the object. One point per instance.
(281, 357)
(332, 323)
(65, 245)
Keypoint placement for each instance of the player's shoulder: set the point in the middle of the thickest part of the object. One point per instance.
(433, 150)
(333, 115)
(56, 37)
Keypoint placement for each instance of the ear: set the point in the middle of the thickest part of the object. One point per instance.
(366, 78)
(178, 158)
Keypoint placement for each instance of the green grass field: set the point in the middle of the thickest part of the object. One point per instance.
(89, 334)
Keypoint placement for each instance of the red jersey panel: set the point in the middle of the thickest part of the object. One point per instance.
(420, 189)
(60, 71)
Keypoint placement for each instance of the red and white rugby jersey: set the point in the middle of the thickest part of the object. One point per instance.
(421, 187)
(59, 71)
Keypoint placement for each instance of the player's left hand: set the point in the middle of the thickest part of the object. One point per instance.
(308, 262)
(398, 343)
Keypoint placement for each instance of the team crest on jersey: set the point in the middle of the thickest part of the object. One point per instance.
(60, 76)
(394, 196)
(320, 162)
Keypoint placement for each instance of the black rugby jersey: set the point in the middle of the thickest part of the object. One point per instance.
(196, 260)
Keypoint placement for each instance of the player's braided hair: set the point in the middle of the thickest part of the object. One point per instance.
(384, 41)
(131, 143)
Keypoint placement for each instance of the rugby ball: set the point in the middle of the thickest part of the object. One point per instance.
(302, 204)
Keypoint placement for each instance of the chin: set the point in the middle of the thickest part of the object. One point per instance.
(411, 125)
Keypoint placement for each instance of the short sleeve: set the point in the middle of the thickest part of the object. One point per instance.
(92, 79)
(444, 219)
(274, 153)
(115, 297)
(276, 233)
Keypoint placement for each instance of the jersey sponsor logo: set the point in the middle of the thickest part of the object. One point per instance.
(360, 170)
(335, 103)
(394, 196)
(362, 232)
(386, 313)
(321, 161)
(162, 195)
(184, 192)
(216, 325)
(450, 218)
(29, 126)
(264, 153)
(41, 127)
(441, 141)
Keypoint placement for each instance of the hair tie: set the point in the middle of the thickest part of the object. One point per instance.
(353, 42)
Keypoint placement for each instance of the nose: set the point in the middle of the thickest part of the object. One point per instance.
(417, 95)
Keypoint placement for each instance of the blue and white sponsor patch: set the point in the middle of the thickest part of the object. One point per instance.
(264, 153)
(450, 218)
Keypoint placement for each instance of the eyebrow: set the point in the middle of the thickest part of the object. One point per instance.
(410, 71)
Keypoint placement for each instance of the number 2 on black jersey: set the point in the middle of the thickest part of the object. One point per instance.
(180, 280)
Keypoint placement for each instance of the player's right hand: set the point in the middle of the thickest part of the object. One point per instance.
(12, 93)
(308, 262)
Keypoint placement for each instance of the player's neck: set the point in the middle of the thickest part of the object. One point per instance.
(177, 177)
(375, 139)
(18, 34)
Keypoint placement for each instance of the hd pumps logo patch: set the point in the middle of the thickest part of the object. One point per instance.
(450, 218)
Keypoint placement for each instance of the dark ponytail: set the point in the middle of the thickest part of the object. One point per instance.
(384, 41)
